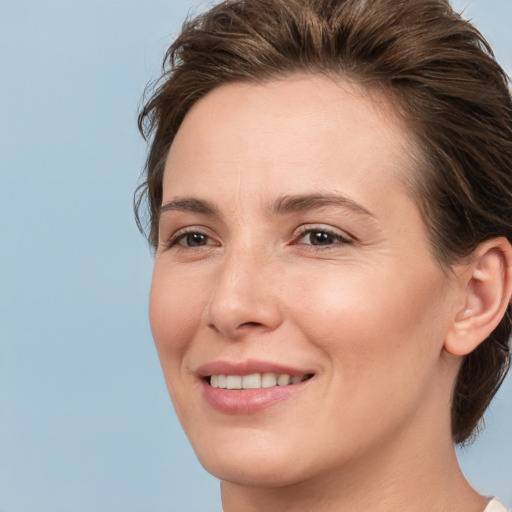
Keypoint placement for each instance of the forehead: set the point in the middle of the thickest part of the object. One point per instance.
(287, 134)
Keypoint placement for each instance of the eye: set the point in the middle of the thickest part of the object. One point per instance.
(193, 240)
(321, 238)
(190, 239)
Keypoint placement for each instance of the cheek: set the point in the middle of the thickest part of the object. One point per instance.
(382, 341)
(174, 311)
(367, 322)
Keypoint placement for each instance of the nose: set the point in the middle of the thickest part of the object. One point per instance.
(245, 297)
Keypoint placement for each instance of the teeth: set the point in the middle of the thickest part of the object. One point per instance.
(255, 380)
(233, 382)
(283, 380)
(268, 380)
(251, 381)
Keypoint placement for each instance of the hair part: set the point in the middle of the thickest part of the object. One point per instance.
(437, 71)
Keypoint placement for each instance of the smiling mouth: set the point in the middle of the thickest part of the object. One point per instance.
(255, 380)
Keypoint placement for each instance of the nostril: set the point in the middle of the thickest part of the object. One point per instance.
(250, 324)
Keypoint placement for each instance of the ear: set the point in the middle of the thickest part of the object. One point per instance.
(487, 289)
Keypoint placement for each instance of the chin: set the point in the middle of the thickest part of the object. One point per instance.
(252, 463)
(267, 473)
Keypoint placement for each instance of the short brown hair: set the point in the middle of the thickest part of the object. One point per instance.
(437, 70)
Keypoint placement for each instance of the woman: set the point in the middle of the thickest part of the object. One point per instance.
(329, 186)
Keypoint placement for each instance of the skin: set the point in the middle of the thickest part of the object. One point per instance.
(367, 312)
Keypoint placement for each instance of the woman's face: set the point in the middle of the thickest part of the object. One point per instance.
(293, 262)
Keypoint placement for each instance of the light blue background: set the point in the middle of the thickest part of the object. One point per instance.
(86, 424)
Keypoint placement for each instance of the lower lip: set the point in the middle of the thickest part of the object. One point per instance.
(248, 401)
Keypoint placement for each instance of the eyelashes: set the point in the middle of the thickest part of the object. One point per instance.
(321, 237)
(313, 237)
(190, 238)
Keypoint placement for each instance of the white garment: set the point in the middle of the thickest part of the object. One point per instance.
(495, 506)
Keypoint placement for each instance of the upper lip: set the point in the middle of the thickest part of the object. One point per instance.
(247, 368)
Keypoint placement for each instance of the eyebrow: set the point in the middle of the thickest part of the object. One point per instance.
(307, 202)
(189, 204)
(281, 206)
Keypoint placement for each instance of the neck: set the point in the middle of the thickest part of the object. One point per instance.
(416, 470)
(424, 483)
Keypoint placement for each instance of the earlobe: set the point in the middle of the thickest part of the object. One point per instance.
(487, 292)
